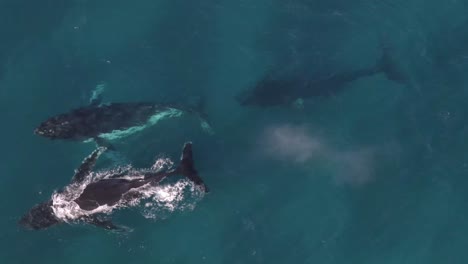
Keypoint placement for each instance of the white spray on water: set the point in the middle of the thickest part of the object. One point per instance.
(159, 200)
(297, 144)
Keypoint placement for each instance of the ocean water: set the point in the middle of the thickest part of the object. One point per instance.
(375, 174)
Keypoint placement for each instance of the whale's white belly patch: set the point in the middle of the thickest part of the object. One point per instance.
(118, 134)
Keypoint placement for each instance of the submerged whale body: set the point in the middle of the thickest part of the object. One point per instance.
(106, 192)
(271, 91)
(110, 121)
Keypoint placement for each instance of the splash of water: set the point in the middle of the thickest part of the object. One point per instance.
(298, 144)
(159, 201)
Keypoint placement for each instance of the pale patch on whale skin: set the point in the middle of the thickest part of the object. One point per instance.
(118, 134)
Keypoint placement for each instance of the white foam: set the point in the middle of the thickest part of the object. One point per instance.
(63, 203)
(118, 134)
(159, 201)
(163, 163)
(166, 199)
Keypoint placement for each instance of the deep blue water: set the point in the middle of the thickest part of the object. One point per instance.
(375, 174)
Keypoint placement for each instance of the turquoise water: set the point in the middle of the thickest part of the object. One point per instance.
(375, 174)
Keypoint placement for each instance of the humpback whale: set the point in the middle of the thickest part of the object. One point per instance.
(111, 121)
(286, 91)
(87, 195)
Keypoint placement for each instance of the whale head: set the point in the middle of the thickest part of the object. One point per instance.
(56, 127)
(39, 217)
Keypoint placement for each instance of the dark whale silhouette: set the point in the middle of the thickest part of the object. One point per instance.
(108, 191)
(272, 91)
(108, 122)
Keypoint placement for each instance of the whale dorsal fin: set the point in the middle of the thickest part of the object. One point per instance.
(87, 165)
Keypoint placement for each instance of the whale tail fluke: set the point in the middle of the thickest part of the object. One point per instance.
(388, 63)
(187, 167)
(198, 107)
(194, 105)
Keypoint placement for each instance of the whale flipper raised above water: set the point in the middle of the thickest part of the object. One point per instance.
(87, 165)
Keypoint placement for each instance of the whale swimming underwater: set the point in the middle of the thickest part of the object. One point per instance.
(286, 91)
(111, 121)
(88, 195)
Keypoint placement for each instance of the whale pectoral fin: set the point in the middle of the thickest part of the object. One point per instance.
(206, 126)
(106, 224)
(112, 153)
(96, 96)
(87, 165)
(104, 143)
(95, 101)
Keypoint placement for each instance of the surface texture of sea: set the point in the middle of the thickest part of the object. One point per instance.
(377, 173)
